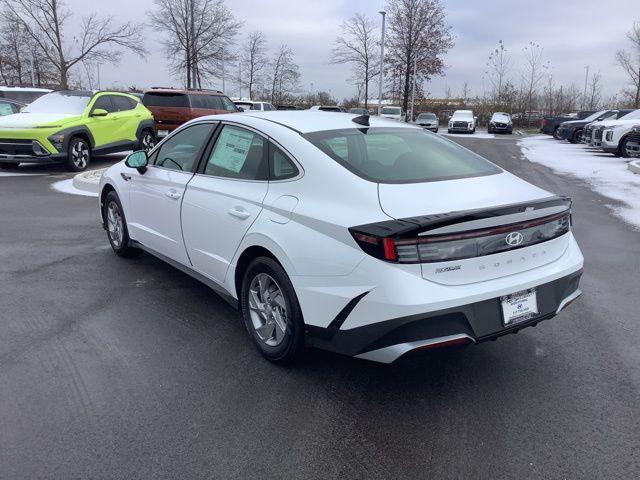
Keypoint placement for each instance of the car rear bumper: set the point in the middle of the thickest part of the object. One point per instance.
(465, 324)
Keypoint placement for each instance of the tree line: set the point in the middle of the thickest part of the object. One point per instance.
(201, 43)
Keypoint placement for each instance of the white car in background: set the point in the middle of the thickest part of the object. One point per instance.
(392, 112)
(428, 121)
(250, 105)
(348, 233)
(611, 135)
(500, 122)
(462, 121)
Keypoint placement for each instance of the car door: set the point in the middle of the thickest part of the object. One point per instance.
(127, 119)
(224, 198)
(101, 127)
(156, 196)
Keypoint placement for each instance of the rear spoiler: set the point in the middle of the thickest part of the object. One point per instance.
(426, 224)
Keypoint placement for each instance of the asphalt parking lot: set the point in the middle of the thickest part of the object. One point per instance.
(114, 368)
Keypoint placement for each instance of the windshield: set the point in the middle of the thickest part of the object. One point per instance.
(165, 99)
(632, 115)
(67, 103)
(463, 114)
(594, 116)
(391, 110)
(400, 155)
(426, 116)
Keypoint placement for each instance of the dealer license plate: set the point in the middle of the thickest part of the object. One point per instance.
(163, 133)
(519, 307)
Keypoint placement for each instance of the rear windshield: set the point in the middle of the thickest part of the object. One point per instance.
(165, 100)
(400, 155)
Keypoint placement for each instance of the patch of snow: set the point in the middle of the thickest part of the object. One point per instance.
(606, 174)
(66, 186)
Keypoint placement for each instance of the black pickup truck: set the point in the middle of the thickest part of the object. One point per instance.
(549, 125)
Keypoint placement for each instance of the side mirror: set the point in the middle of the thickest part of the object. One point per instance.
(99, 112)
(138, 160)
(240, 109)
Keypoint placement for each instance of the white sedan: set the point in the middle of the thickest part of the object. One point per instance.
(359, 235)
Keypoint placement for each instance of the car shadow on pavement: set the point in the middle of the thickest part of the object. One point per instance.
(57, 168)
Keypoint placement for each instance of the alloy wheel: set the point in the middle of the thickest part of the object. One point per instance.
(80, 154)
(268, 309)
(114, 224)
(148, 142)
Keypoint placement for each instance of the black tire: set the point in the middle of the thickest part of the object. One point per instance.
(555, 133)
(622, 148)
(576, 137)
(123, 247)
(78, 155)
(147, 140)
(291, 344)
(449, 131)
(474, 130)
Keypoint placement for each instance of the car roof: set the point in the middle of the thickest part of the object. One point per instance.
(306, 121)
(184, 91)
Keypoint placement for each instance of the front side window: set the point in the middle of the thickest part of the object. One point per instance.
(400, 155)
(239, 154)
(182, 150)
(104, 103)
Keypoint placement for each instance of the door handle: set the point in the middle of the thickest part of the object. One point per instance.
(239, 212)
(125, 177)
(173, 194)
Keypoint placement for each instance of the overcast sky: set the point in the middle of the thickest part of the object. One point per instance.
(573, 34)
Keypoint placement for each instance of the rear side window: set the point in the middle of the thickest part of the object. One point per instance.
(280, 165)
(239, 154)
(122, 104)
(400, 155)
(165, 100)
(181, 151)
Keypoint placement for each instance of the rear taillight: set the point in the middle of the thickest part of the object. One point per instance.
(420, 247)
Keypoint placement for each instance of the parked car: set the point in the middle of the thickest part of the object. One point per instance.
(24, 95)
(437, 247)
(393, 112)
(632, 143)
(500, 122)
(587, 132)
(171, 107)
(428, 120)
(358, 111)
(255, 106)
(328, 108)
(287, 107)
(462, 121)
(71, 127)
(9, 107)
(572, 130)
(550, 124)
(612, 135)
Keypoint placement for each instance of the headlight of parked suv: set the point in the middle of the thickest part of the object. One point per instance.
(57, 140)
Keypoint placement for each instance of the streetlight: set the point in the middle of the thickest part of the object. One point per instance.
(584, 95)
(383, 13)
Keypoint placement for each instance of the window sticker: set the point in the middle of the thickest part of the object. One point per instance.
(232, 149)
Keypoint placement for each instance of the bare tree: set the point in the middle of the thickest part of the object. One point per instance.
(594, 91)
(534, 72)
(254, 59)
(498, 67)
(630, 63)
(357, 46)
(417, 31)
(465, 92)
(284, 76)
(198, 38)
(100, 38)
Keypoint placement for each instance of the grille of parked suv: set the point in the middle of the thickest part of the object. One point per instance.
(586, 135)
(500, 125)
(597, 133)
(460, 124)
(9, 146)
(634, 136)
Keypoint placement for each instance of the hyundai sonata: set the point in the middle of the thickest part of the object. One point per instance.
(356, 234)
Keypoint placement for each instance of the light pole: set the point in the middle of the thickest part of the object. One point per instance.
(584, 95)
(383, 13)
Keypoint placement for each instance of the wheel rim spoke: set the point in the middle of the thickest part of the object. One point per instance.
(267, 309)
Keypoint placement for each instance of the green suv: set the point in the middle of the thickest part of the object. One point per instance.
(72, 126)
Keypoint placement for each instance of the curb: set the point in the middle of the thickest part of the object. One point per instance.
(634, 166)
(88, 181)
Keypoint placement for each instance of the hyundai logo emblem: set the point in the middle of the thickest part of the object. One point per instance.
(514, 239)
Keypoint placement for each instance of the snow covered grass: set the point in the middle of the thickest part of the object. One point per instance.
(66, 186)
(606, 174)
